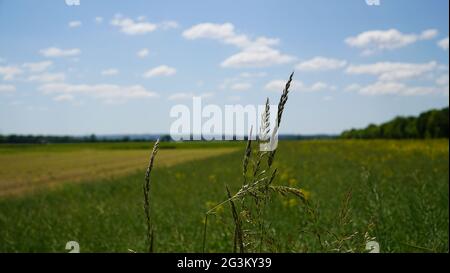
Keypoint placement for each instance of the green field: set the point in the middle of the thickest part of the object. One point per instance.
(27, 168)
(399, 195)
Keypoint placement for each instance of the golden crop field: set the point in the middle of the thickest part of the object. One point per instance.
(22, 171)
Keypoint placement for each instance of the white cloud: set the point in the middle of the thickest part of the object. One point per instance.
(186, 96)
(320, 64)
(105, 92)
(131, 27)
(57, 52)
(378, 40)
(162, 70)
(74, 24)
(396, 88)
(241, 81)
(278, 86)
(110, 72)
(7, 88)
(48, 77)
(210, 31)
(428, 34)
(9, 72)
(258, 52)
(443, 44)
(38, 67)
(253, 75)
(261, 57)
(380, 88)
(391, 71)
(99, 19)
(143, 53)
(320, 86)
(64, 97)
(240, 86)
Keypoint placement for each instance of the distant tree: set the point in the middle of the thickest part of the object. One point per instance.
(165, 138)
(410, 130)
(92, 138)
(372, 131)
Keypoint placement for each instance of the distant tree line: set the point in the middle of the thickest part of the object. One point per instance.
(44, 139)
(430, 124)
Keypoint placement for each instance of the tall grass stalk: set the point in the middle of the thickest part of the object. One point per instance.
(254, 194)
(147, 208)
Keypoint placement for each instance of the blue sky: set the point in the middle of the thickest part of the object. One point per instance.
(110, 67)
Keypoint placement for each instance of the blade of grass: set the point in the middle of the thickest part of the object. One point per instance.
(147, 208)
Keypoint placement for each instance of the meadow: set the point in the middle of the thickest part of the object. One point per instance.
(395, 192)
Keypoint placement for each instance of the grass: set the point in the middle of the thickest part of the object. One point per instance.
(399, 192)
(147, 200)
(26, 168)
